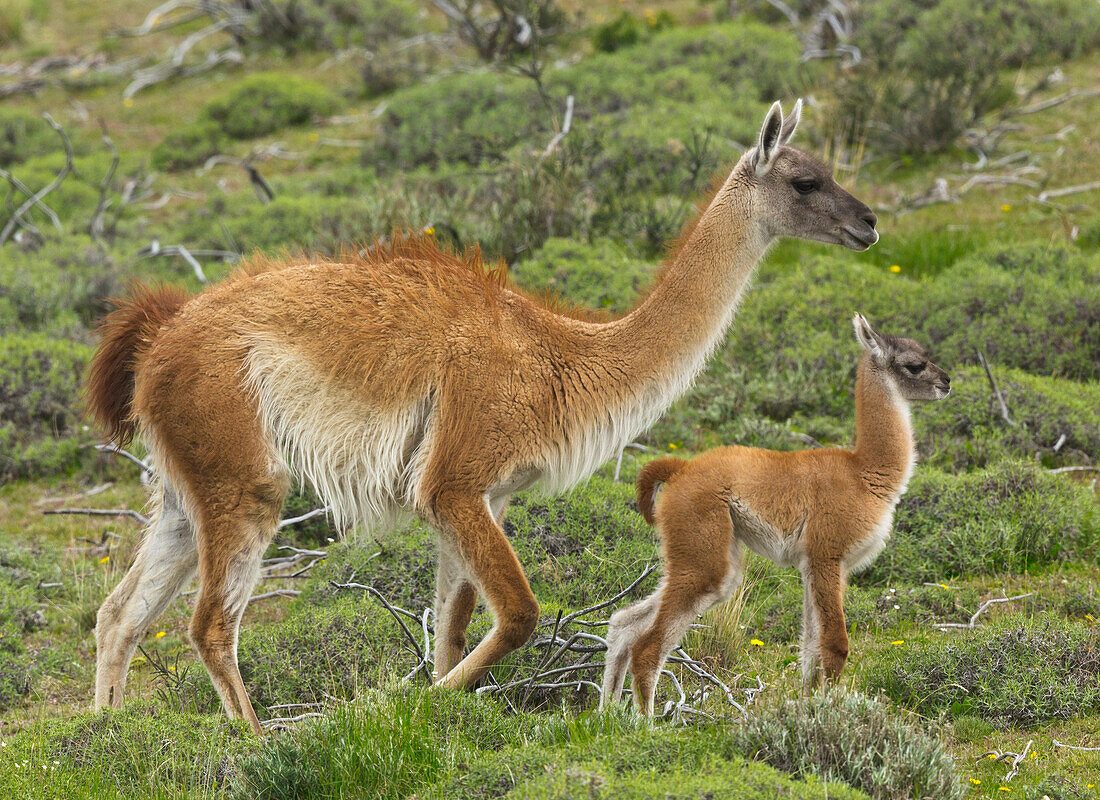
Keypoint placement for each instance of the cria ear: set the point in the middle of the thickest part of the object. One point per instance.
(867, 337)
(790, 123)
(767, 147)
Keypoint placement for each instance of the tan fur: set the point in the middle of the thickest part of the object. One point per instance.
(826, 511)
(406, 379)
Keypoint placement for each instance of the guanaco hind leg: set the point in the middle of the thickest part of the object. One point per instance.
(487, 557)
(165, 562)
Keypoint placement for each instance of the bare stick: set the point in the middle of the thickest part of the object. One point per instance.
(102, 512)
(45, 209)
(274, 593)
(973, 623)
(613, 600)
(49, 187)
(95, 225)
(1076, 747)
(268, 723)
(317, 512)
(1074, 469)
(566, 124)
(996, 390)
(1072, 94)
(1085, 187)
(114, 448)
(396, 613)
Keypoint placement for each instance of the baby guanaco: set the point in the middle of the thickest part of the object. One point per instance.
(827, 511)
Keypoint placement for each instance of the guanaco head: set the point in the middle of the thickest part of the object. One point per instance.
(902, 361)
(795, 193)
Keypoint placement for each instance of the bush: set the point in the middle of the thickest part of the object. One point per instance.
(931, 69)
(326, 24)
(599, 275)
(1012, 517)
(265, 102)
(1014, 673)
(39, 422)
(848, 737)
(23, 135)
(189, 146)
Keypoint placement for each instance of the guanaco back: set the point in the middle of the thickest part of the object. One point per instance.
(828, 511)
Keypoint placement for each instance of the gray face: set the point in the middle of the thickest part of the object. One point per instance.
(807, 203)
(905, 361)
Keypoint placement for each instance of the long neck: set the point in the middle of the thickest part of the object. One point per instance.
(681, 321)
(884, 433)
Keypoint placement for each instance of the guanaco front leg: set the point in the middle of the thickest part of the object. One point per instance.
(831, 632)
(455, 598)
(487, 557)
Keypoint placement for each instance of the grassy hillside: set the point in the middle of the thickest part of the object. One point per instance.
(319, 124)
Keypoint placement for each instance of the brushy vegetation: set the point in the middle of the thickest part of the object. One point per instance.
(1016, 672)
(266, 102)
(854, 739)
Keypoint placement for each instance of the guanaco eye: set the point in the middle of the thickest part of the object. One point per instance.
(915, 369)
(804, 186)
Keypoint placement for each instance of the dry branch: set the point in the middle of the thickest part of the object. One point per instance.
(1085, 187)
(34, 199)
(973, 623)
(996, 390)
(101, 512)
(95, 225)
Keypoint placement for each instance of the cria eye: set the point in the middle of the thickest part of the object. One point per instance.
(915, 369)
(804, 186)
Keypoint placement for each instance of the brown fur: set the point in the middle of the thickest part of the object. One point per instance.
(109, 390)
(405, 378)
(827, 511)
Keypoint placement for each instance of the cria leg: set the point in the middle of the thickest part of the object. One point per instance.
(455, 598)
(165, 561)
(622, 632)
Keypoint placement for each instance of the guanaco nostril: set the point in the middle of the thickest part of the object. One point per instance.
(870, 218)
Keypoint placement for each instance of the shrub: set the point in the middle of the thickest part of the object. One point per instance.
(189, 145)
(1012, 517)
(39, 385)
(931, 69)
(848, 737)
(265, 102)
(1015, 672)
(24, 135)
(622, 31)
(599, 275)
(325, 24)
(968, 431)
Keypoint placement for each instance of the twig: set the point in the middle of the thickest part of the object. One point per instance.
(95, 225)
(974, 619)
(274, 593)
(619, 462)
(566, 124)
(267, 723)
(996, 390)
(1072, 94)
(1016, 759)
(1076, 747)
(1085, 187)
(102, 512)
(317, 512)
(395, 612)
(613, 600)
(49, 187)
(45, 209)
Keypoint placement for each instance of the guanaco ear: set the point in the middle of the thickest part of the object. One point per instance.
(866, 336)
(790, 123)
(767, 147)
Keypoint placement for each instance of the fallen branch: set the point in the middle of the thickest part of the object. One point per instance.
(1076, 747)
(566, 124)
(101, 512)
(274, 593)
(95, 225)
(973, 623)
(1016, 759)
(1072, 94)
(1085, 187)
(396, 612)
(996, 390)
(34, 199)
(1059, 470)
(115, 449)
(317, 512)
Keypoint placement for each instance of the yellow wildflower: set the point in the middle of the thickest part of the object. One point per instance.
(1003, 789)
(898, 641)
(104, 560)
(315, 137)
(1089, 618)
(895, 268)
(430, 230)
(160, 635)
(673, 446)
(975, 781)
(1006, 207)
(756, 643)
(128, 102)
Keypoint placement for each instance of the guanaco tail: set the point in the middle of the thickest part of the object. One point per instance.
(827, 511)
(407, 379)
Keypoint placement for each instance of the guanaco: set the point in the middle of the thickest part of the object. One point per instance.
(408, 379)
(828, 511)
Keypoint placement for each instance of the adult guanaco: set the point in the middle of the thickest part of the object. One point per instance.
(828, 511)
(409, 379)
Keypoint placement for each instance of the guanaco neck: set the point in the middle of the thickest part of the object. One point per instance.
(669, 335)
(884, 450)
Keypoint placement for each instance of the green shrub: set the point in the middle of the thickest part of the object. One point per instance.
(326, 24)
(967, 430)
(931, 69)
(848, 737)
(1016, 672)
(189, 145)
(39, 387)
(24, 135)
(265, 102)
(1012, 517)
(622, 31)
(599, 275)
